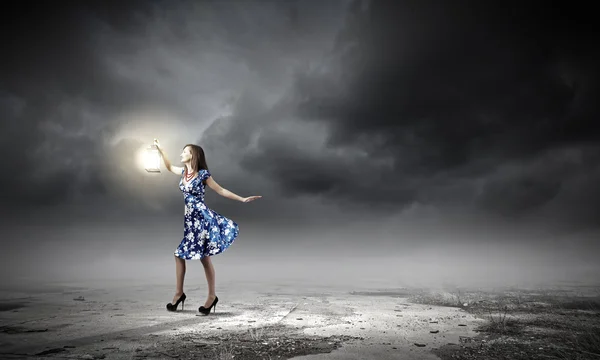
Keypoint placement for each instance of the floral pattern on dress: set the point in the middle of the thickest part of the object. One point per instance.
(205, 232)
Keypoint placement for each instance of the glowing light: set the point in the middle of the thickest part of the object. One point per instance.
(152, 159)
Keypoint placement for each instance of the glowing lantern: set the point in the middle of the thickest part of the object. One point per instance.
(152, 159)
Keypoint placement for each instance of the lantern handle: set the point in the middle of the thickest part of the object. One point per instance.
(156, 143)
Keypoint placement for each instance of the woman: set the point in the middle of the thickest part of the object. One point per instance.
(206, 233)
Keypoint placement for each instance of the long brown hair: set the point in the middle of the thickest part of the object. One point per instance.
(198, 159)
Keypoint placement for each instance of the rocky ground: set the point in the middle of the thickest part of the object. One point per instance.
(299, 323)
(270, 323)
(524, 324)
(269, 342)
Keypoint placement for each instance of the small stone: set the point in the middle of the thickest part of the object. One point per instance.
(419, 344)
(434, 331)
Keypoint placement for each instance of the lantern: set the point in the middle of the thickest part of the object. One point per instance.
(152, 159)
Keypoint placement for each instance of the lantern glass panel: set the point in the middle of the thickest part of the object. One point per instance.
(152, 159)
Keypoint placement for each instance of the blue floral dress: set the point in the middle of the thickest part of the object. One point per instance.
(206, 232)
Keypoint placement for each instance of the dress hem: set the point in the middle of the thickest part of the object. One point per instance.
(202, 257)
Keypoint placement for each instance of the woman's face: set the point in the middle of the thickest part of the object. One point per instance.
(186, 155)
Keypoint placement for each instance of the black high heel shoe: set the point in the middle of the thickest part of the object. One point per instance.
(206, 311)
(181, 300)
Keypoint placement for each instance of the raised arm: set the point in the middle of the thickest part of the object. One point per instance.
(226, 193)
(174, 169)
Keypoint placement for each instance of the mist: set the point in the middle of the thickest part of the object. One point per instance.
(350, 258)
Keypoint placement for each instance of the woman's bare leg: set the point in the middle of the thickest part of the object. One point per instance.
(180, 275)
(209, 270)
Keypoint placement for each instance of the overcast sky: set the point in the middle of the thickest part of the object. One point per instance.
(381, 128)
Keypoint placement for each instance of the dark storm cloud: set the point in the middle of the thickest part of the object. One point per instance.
(444, 84)
(428, 102)
(438, 104)
(57, 96)
(80, 69)
(53, 54)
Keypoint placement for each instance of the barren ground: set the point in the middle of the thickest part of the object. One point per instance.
(284, 322)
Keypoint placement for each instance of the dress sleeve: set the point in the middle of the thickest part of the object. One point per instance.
(205, 174)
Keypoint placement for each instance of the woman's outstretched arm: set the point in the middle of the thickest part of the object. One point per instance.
(226, 193)
(174, 169)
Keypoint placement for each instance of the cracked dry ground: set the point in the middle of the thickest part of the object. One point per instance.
(526, 324)
(272, 325)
